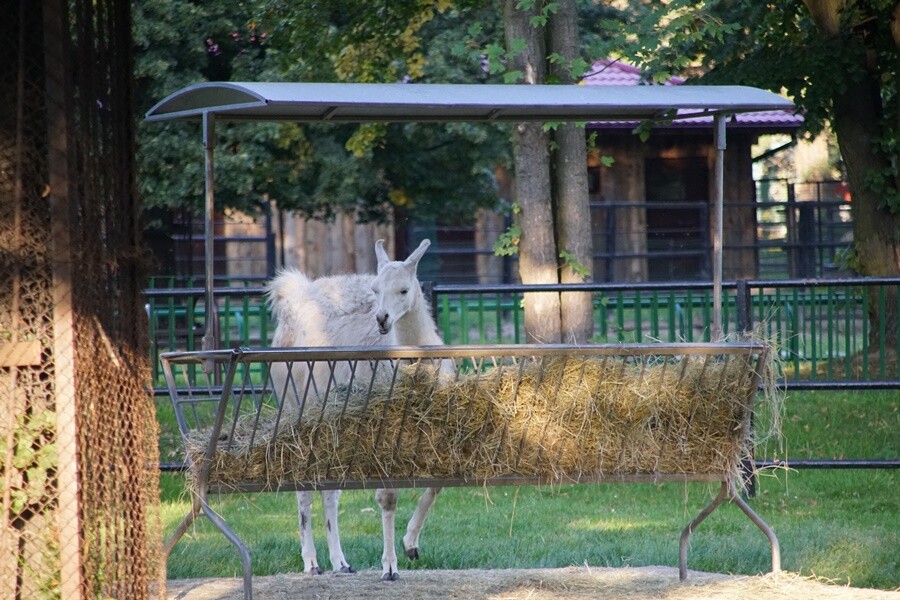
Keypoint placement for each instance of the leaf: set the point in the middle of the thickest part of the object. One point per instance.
(513, 76)
(570, 261)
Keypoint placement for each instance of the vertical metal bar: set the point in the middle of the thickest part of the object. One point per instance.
(620, 317)
(829, 328)
(882, 331)
(638, 318)
(744, 307)
(671, 316)
(716, 332)
(498, 318)
(481, 339)
(209, 143)
(445, 318)
(689, 314)
(813, 323)
(794, 333)
(227, 324)
(517, 302)
(464, 320)
(865, 332)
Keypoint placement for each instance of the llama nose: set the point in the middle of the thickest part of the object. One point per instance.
(382, 322)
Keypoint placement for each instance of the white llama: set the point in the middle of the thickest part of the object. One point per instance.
(385, 309)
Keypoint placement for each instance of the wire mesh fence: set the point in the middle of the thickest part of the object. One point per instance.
(78, 433)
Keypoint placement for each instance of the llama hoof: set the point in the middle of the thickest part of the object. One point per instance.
(412, 553)
(347, 569)
(315, 571)
(391, 577)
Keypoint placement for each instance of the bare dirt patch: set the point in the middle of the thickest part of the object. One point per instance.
(577, 583)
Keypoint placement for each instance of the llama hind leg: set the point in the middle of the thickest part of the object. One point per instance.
(387, 499)
(339, 564)
(307, 546)
(411, 539)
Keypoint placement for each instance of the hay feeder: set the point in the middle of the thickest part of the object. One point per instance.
(367, 418)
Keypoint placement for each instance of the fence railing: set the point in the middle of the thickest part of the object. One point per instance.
(828, 333)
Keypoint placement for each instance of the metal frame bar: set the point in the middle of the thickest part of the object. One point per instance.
(726, 492)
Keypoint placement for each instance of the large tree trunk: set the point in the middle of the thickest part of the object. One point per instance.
(857, 114)
(537, 247)
(573, 214)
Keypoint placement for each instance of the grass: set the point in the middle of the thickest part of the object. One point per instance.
(838, 524)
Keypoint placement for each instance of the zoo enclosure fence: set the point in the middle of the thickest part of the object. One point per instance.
(800, 230)
(821, 328)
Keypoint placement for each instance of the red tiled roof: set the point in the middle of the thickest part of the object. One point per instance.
(611, 72)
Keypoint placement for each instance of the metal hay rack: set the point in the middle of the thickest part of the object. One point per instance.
(367, 418)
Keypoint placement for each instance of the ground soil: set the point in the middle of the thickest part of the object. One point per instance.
(577, 583)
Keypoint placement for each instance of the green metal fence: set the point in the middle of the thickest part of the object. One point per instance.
(826, 331)
(177, 319)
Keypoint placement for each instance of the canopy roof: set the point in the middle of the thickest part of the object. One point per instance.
(361, 102)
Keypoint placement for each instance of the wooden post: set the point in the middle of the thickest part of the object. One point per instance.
(61, 203)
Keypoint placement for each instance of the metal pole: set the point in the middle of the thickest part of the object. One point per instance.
(209, 144)
(719, 135)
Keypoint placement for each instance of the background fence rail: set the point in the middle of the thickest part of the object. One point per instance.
(827, 332)
(830, 334)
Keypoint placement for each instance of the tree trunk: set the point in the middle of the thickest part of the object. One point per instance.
(537, 247)
(857, 114)
(573, 214)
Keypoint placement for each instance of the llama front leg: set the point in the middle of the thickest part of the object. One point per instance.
(387, 499)
(307, 546)
(332, 534)
(411, 539)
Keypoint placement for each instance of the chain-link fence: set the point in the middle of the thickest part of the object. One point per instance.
(78, 455)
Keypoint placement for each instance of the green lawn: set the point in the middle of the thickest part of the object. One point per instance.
(837, 524)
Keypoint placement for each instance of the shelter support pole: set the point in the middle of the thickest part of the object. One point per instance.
(210, 335)
(716, 334)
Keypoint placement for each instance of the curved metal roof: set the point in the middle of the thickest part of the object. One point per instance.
(359, 102)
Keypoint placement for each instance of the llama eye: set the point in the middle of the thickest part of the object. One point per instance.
(404, 292)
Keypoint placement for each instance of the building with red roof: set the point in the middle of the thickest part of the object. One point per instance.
(651, 199)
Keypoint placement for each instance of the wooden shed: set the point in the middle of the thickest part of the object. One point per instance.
(651, 206)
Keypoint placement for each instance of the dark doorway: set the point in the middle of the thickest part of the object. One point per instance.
(677, 218)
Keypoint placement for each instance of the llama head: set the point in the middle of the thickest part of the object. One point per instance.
(395, 286)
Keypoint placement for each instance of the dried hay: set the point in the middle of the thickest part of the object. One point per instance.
(560, 419)
(569, 583)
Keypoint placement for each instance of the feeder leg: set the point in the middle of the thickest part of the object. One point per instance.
(183, 527)
(219, 522)
(757, 520)
(686, 533)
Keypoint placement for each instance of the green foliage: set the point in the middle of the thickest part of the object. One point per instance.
(656, 36)
(507, 243)
(571, 261)
(33, 455)
(318, 170)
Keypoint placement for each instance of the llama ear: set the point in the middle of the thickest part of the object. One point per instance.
(380, 254)
(413, 259)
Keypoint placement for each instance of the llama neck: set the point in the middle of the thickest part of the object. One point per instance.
(416, 327)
